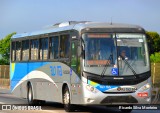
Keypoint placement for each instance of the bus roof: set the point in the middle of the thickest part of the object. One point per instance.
(74, 25)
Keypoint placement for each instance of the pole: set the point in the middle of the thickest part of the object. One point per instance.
(154, 70)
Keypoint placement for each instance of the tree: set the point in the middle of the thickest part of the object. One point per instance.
(155, 57)
(5, 49)
(153, 42)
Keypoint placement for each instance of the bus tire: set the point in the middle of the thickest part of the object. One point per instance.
(30, 96)
(66, 100)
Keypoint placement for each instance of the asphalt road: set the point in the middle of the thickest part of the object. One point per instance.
(50, 107)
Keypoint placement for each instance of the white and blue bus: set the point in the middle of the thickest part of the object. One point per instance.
(82, 63)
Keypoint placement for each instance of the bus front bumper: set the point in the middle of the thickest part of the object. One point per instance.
(100, 98)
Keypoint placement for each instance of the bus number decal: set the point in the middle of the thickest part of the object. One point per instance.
(56, 70)
(59, 70)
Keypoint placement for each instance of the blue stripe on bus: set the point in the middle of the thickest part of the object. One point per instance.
(100, 87)
(22, 69)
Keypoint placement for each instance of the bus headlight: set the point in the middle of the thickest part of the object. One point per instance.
(145, 87)
(91, 88)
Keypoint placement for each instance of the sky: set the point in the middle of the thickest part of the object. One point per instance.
(32, 15)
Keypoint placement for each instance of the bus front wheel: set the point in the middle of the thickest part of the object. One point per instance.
(66, 100)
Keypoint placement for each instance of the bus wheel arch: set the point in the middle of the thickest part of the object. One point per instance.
(27, 86)
(63, 87)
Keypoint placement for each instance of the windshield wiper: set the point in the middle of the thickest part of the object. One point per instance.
(134, 72)
(106, 65)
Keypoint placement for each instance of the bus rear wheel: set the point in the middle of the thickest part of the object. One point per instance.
(30, 96)
(66, 100)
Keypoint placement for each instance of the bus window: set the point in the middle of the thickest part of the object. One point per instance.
(13, 51)
(18, 51)
(54, 44)
(34, 49)
(43, 48)
(64, 46)
(25, 50)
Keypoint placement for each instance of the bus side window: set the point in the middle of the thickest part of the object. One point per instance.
(43, 48)
(13, 51)
(54, 44)
(18, 51)
(25, 50)
(34, 49)
(64, 46)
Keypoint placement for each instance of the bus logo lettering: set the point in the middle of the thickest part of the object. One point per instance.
(59, 70)
(53, 70)
(56, 70)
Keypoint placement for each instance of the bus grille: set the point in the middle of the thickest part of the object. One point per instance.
(119, 99)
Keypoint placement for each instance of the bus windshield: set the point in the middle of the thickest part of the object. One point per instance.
(99, 50)
(126, 52)
(132, 51)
